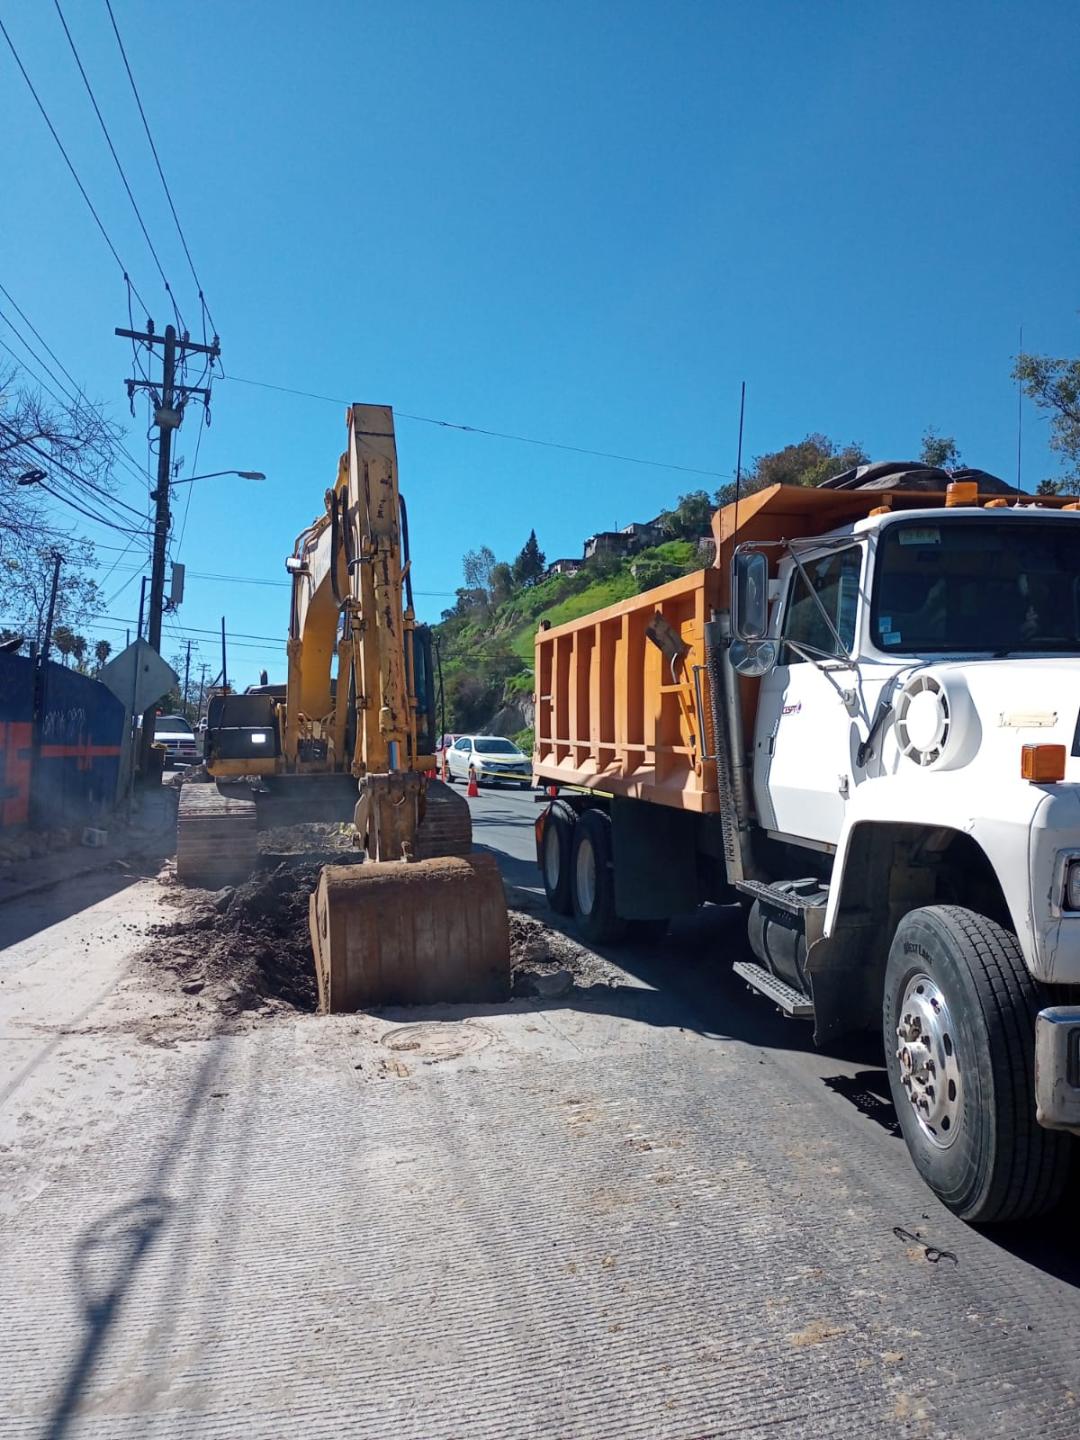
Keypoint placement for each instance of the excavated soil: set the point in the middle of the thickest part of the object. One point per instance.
(248, 948)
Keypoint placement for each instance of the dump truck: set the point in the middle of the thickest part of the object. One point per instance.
(861, 724)
(351, 735)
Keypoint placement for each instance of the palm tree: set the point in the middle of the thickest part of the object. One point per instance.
(102, 651)
(64, 640)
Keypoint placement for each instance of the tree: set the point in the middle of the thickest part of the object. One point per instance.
(79, 651)
(28, 579)
(808, 462)
(64, 640)
(502, 582)
(530, 563)
(70, 439)
(690, 518)
(102, 651)
(941, 451)
(476, 566)
(1054, 385)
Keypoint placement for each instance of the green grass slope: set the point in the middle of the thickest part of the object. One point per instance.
(487, 651)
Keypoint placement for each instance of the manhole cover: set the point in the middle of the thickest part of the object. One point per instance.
(435, 1041)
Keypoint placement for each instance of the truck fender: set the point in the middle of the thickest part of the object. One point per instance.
(997, 822)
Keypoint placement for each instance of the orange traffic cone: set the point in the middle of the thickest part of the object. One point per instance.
(474, 789)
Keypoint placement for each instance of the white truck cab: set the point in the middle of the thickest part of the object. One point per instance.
(916, 820)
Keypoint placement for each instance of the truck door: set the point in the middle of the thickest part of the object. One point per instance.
(802, 741)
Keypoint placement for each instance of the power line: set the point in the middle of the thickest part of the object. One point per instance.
(71, 474)
(122, 453)
(496, 434)
(119, 167)
(67, 500)
(194, 471)
(71, 167)
(255, 580)
(157, 162)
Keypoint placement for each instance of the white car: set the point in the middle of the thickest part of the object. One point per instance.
(490, 757)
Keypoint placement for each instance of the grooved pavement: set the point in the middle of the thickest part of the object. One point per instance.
(638, 1214)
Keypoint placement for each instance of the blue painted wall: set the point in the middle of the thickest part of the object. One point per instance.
(73, 778)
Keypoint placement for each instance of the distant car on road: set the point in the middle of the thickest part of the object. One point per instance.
(174, 732)
(492, 757)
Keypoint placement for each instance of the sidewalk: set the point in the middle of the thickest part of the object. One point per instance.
(153, 822)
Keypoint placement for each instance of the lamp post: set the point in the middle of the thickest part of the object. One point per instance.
(190, 479)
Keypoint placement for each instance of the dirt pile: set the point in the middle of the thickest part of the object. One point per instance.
(547, 963)
(249, 947)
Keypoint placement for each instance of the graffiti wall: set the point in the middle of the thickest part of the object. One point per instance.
(16, 739)
(71, 776)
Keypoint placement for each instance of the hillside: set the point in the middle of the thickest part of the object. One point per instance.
(486, 647)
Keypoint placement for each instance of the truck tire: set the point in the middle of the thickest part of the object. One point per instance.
(593, 880)
(556, 854)
(959, 1028)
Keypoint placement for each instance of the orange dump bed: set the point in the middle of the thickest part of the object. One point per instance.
(610, 713)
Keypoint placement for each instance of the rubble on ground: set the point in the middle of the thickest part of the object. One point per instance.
(248, 948)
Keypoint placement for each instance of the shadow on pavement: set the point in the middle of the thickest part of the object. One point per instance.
(110, 1252)
(28, 915)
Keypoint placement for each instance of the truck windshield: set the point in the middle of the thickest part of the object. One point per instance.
(963, 586)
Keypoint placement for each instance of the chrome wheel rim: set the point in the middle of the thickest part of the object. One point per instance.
(585, 877)
(929, 1065)
(552, 856)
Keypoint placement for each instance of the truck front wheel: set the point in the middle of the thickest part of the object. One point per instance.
(959, 1029)
(593, 880)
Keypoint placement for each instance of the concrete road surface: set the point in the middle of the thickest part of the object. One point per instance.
(650, 1210)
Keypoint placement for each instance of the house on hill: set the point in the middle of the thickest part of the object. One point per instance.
(564, 567)
(642, 533)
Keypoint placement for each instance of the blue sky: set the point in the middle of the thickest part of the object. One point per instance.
(583, 222)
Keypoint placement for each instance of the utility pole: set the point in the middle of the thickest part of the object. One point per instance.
(187, 672)
(57, 562)
(169, 399)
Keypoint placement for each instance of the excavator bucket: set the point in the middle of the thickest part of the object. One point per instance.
(419, 933)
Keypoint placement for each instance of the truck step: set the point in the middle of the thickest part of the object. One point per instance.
(791, 1001)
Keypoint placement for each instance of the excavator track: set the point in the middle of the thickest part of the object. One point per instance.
(446, 828)
(216, 840)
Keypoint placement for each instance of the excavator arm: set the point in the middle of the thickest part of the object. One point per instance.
(423, 918)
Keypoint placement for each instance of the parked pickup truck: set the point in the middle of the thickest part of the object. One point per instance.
(863, 724)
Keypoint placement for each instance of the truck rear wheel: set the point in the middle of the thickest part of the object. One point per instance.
(959, 1029)
(556, 854)
(593, 880)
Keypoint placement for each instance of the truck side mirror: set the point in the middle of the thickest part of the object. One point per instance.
(750, 596)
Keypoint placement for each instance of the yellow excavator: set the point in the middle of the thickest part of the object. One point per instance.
(352, 733)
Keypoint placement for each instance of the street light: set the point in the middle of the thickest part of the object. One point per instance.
(244, 475)
(31, 477)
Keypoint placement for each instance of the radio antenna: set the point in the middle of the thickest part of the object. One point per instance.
(738, 461)
(1019, 411)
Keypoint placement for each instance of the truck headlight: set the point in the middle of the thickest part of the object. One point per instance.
(1072, 885)
(261, 740)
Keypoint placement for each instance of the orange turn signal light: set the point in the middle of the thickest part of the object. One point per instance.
(1042, 764)
(881, 510)
(999, 504)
